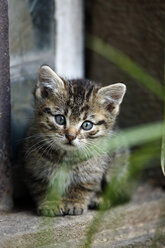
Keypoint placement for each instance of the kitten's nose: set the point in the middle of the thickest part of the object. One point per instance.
(70, 137)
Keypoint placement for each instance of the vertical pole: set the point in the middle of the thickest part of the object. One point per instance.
(5, 148)
(69, 38)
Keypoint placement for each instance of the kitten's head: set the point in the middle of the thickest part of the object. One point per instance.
(75, 113)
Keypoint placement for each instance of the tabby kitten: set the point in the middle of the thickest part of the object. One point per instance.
(71, 116)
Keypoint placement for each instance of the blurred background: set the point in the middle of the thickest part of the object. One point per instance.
(63, 33)
(107, 41)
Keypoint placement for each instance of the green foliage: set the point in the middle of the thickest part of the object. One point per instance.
(163, 139)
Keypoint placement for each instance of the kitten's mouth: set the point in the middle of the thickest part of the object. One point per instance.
(69, 145)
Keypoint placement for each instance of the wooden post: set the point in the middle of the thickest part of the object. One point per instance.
(5, 144)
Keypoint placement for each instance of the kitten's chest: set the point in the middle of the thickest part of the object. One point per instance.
(60, 180)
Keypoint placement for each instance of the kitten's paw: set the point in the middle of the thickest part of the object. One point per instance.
(51, 209)
(74, 208)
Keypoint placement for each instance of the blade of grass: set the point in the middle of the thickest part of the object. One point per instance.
(163, 152)
(125, 63)
(129, 137)
(163, 135)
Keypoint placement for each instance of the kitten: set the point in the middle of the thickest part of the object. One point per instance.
(71, 116)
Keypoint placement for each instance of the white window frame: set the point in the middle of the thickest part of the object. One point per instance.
(69, 38)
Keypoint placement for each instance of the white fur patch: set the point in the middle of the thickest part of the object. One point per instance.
(60, 180)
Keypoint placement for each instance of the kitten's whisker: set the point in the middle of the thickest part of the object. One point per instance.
(32, 136)
(40, 147)
(27, 138)
(87, 151)
(49, 147)
(37, 146)
(94, 149)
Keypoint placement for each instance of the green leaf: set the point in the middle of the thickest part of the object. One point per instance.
(163, 134)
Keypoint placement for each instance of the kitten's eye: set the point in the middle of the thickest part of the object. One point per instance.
(60, 119)
(87, 125)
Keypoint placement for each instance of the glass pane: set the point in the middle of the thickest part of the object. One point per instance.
(31, 33)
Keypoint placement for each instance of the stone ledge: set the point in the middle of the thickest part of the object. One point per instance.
(136, 224)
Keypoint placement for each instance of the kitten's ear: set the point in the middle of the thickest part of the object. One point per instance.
(48, 81)
(111, 96)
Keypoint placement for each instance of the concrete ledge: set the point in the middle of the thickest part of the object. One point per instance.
(139, 223)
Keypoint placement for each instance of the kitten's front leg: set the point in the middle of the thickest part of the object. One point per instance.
(52, 204)
(74, 203)
(76, 200)
(48, 203)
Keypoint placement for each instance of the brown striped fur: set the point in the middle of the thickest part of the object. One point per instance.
(48, 144)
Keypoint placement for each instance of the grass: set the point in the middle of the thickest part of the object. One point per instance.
(163, 133)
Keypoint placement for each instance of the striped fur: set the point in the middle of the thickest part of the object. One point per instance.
(49, 146)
